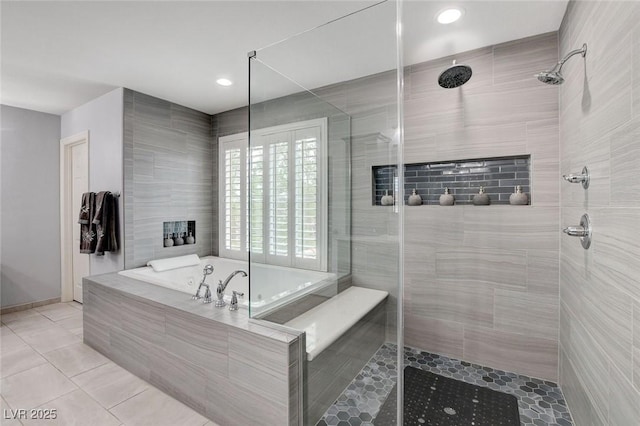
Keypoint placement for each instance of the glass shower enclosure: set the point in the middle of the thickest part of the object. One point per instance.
(324, 242)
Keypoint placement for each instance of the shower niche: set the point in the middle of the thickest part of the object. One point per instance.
(178, 233)
(498, 176)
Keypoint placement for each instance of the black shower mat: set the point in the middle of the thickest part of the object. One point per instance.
(431, 399)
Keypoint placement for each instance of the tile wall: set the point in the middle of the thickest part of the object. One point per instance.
(481, 283)
(168, 176)
(600, 287)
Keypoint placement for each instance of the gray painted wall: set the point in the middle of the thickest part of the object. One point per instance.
(600, 287)
(169, 175)
(102, 117)
(30, 206)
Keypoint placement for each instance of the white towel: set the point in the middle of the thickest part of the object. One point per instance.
(160, 265)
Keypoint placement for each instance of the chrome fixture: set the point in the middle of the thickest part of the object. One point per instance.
(583, 231)
(233, 306)
(208, 270)
(207, 294)
(581, 178)
(222, 287)
(454, 76)
(554, 76)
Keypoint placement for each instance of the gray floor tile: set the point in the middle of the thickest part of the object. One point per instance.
(110, 384)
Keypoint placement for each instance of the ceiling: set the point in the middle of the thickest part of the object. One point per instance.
(58, 55)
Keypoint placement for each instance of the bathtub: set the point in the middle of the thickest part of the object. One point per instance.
(274, 286)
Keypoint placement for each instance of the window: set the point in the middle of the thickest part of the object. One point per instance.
(273, 196)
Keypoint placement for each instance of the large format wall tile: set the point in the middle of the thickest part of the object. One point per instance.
(600, 290)
(169, 175)
(528, 355)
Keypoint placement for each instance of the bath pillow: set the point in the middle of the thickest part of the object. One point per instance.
(160, 265)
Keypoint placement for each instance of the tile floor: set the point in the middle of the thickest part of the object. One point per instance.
(45, 365)
(540, 402)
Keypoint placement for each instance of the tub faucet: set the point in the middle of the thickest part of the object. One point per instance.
(208, 270)
(223, 285)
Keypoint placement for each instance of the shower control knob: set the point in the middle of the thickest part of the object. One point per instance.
(575, 231)
(583, 231)
(582, 178)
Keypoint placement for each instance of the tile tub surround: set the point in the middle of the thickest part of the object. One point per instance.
(82, 385)
(540, 402)
(335, 367)
(600, 288)
(170, 174)
(215, 361)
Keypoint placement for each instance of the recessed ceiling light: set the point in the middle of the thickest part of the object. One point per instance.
(448, 16)
(224, 82)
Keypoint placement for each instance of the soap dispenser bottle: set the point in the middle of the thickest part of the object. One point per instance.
(386, 200)
(447, 199)
(190, 239)
(518, 198)
(481, 198)
(415, 199)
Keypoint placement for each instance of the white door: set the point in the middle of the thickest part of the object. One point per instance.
(79, 182)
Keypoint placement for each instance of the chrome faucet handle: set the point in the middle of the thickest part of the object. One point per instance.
(207, 294)
(582, 178)
(220, 303)
(234, 300)
(583, 231)
(575, 231)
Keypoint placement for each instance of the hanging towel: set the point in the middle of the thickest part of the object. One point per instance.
(106, 221)
(87, 229)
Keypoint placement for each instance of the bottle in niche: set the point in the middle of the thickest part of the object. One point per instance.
(386, 200)
(447, 199)
(178, 240)
(481, 199)
(168, 241)
(518, 198)
(189, 239)
(415, 199)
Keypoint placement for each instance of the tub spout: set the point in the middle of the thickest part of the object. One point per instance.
(222, 286)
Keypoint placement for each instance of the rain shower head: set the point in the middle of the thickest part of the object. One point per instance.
(554, 76)
(454, 76)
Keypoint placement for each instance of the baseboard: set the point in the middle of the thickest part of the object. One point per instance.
(23, 307)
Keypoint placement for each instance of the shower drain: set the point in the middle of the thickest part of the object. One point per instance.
(450, 411)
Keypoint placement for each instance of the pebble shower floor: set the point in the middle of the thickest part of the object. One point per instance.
(540, 402)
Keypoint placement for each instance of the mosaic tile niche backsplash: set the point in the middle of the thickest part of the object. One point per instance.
(498, 176)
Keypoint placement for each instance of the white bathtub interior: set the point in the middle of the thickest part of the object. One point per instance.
(284, 284)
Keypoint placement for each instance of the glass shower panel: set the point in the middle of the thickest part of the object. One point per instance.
(324, 253)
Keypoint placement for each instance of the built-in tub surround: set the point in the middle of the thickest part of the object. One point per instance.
(229, 368)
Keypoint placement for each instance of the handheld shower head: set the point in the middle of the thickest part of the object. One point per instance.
(554, 76)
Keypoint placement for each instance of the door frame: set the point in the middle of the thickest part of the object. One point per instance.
(66, 221)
